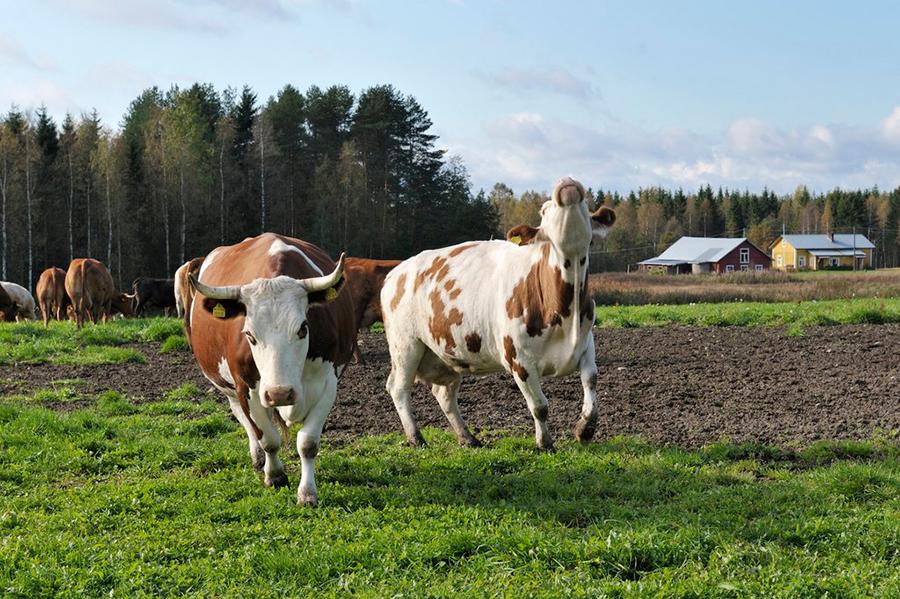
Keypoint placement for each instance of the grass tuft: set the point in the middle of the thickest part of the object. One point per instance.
(174, 343)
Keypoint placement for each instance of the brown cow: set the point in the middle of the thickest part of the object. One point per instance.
(51, 294)
(272, 332)
(365, 278)
(90, 289)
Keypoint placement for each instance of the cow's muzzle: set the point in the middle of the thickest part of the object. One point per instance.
(279, 396)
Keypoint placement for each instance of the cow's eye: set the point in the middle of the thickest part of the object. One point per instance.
(250, 337)
(304, 329)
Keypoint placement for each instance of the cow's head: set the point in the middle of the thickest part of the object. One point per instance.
(274, 312)
(123, 303)
(566, 221)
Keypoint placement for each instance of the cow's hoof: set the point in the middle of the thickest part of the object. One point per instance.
(546, 446)
(259, 462)
(307, 497)
(470, 441)
(277, 481)
(418, 440)
(584, 430)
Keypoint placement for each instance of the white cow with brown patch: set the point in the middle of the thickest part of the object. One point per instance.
(486, 306)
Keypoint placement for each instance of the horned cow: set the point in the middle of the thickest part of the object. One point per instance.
(272, 331)
(485, 306)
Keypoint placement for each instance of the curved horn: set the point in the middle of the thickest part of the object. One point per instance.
(324, 282)
(231, 292)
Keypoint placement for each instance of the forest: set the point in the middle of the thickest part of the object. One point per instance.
(188, 169)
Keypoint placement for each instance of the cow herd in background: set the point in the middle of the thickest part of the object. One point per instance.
(272, 322)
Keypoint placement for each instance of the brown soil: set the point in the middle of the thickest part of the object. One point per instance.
(684, 386)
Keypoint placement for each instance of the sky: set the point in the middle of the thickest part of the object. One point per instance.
(619, 95)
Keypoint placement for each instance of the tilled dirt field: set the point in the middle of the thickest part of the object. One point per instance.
(684, 386)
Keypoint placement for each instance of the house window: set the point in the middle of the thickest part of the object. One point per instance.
(759, 268)
(744, 268)
(835, 261)
(802, 261)
(729, 268)
(745, 255)
(780, 260)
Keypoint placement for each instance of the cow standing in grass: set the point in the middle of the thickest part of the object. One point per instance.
(271, 330)
(22, 299)
(51, 294)
(485, 306)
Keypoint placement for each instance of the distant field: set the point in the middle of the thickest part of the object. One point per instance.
(795, 314)
(640, 288)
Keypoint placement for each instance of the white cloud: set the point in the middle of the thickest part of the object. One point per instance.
(530, 150)
(550, 80)
(13, 54)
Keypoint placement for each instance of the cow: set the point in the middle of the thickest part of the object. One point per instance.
(272, 331)
(485, 306)
(153, 293)
(122, 303)
(22, 299)
(184, 293)
(90, 288)
(51, 294)
(8, 307)
(365, 278)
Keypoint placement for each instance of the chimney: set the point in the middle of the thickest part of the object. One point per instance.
(831, 236)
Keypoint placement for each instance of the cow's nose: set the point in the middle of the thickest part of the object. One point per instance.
(280, 396)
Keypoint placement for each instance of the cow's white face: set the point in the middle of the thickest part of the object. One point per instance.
(565, 218)
(276, 327)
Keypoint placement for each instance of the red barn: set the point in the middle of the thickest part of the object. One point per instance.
(709, 254)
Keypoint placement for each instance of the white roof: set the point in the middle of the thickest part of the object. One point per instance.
(697, 250)
(842, 241)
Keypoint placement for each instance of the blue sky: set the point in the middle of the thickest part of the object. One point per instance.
(620, 95)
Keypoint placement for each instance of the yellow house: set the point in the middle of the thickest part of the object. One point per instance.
(814, 252)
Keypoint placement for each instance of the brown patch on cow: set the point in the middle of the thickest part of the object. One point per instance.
(398, 293)
(509, 350)
(455, 293)
(542, 297)
(473, 342)
(542, 412)
(440, 323)
(448, 285)
(436, 266)
(460, 249)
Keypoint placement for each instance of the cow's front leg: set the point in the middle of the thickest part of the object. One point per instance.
(308, 443)
(587, 423)
(257, 456)
(530, 385)
(270, 441)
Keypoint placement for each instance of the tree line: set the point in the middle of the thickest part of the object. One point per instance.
(649, 220)
(189, 169)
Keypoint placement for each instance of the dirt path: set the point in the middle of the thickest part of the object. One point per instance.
(685, 386)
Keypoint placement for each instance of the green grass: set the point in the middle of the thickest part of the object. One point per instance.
(799, 314)
(62, 343)
(160, 499)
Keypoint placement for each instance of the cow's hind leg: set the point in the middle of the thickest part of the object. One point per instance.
(587, 423)
(530, 385)
(275, 476)
(405, 358)
(446, 396)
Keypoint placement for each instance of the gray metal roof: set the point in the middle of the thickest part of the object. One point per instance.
(842, 241)
(837, 253)
(697, 250)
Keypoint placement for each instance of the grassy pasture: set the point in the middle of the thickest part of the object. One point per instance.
(124, 499)
(62, 343)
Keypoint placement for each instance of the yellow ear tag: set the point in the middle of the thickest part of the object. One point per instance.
(331, 294)
(516, 239)
(219, 311)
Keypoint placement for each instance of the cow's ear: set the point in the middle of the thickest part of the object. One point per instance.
(328, 295)
(602, 220)
(223, 309)
(522, 234)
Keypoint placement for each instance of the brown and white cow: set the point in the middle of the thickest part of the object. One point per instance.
(365, 278)
(51, 294)
(485, 306)
(184, 293)
(90, 288)
(272, 332)
(24, 303)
